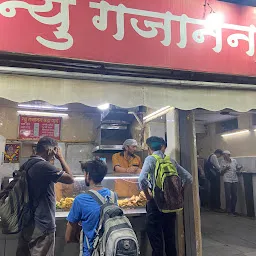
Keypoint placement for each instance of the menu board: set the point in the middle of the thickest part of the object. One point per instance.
(35, 127)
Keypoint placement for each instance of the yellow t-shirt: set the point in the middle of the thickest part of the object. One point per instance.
(126, 188)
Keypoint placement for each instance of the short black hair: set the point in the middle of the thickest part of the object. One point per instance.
(218, 151)
(97, 170)
(45, 143)
(155, 143)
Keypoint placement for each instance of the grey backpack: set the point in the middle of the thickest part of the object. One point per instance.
(16, 210)
(114, 235)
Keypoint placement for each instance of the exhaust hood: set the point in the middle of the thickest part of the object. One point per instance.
(113, 130)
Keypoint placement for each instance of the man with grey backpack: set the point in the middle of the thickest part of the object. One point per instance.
(97, 221)
(162, 179)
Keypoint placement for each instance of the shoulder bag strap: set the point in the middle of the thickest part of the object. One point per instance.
(96, 196)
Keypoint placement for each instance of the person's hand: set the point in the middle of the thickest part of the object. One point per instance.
(58, 154)
(239, 168)
(132, 169)
(148, 194)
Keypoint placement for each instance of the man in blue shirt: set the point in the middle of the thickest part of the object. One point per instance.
(159, 225)
(85, 210)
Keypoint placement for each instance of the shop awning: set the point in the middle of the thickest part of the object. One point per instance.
(60, 91)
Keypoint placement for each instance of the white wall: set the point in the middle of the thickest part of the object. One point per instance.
(238, 145)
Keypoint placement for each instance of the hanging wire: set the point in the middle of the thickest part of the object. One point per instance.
(205, 4)
(212, 11)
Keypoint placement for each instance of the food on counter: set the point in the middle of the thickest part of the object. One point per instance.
(134, 201)
(65, 203)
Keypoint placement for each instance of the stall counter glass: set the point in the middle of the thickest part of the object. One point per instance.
(125, 185)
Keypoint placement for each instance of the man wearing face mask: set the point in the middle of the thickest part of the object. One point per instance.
(38, 239)
(85, 209)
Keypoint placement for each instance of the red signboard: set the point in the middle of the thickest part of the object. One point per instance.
(33, 127)
(159, 33)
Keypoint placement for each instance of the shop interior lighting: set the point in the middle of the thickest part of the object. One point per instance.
(44, 107)
(104, 106)
(213, 20)
(235, 133)
(158, 113)
(38, 113)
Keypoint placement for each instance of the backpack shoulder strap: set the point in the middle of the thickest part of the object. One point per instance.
(209, 158)
(96, 196)
(112, 196)
(156, 157)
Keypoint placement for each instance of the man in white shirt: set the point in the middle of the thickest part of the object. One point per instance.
(229, 169)
(212, 171)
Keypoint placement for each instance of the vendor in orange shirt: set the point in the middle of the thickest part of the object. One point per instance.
(129, 163)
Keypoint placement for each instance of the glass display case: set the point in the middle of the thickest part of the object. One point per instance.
(125, 185)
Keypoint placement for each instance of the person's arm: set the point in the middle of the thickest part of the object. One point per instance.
(185, 176)
(147, 168)
(116, 164)
(224, 168)
(73, 229)
(67, 177)
(72, 234)
(215, 162)
(119, 169)
(238, 167)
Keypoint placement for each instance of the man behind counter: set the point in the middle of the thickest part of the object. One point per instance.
(129, 163)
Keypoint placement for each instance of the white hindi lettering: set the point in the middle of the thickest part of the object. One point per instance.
(233, 40)
(8, 9)
(153, 23)
(165, 19)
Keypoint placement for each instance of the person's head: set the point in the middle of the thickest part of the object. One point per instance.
(94, 171)
(218, 153)
(155, 143)
(164, 146)
(226, 155)
(130, 146)
(46, 148)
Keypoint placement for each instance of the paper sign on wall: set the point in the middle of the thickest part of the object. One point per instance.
(34, 127)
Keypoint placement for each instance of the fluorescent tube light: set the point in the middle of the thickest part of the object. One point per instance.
(104, 106)
(42, 107)
(37, 113)
(157, 113)
(235, 133)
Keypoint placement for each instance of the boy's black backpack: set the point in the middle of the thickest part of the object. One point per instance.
(16, 209)
(210, 170)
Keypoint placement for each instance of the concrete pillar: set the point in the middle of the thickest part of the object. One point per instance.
(172, 133)
(173, 149)
(188, 157)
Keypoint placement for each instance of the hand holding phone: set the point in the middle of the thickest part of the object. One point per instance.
(58, 153)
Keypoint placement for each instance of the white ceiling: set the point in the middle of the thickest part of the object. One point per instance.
(207, 117)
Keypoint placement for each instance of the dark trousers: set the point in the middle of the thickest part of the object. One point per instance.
(215, 192)
(33, 242)
(231, 196)
(161, 230)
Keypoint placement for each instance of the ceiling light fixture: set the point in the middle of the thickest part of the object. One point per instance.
(41, 107)
(38, 113)
(214, 20)
(104, 106)
(235, 133)
(158, 113)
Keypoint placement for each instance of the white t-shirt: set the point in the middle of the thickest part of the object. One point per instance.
(230, 175)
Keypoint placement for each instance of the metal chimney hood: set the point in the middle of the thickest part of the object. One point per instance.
(113, 130)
